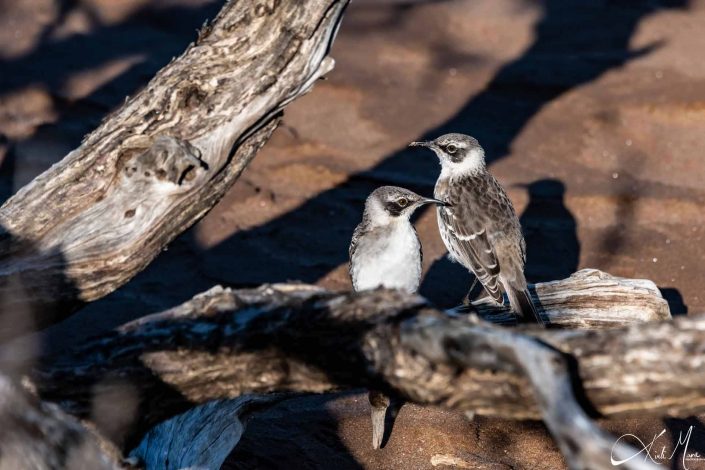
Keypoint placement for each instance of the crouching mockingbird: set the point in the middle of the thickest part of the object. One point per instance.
(385, 251)
(478, 225)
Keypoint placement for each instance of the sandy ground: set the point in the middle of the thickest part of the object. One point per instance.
(591, 113)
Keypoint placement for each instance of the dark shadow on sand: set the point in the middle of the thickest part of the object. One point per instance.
(575, 43)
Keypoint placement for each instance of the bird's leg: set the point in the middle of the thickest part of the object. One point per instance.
(466, 299)
(379, 403)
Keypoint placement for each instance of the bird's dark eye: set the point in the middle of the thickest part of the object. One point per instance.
(403, 201)
(451, 148)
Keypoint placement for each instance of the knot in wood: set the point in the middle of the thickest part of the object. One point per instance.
(192, 96)
(266, 8)
(167, 160)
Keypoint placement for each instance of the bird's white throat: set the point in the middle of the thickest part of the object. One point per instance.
(472, 164)
(392, 260)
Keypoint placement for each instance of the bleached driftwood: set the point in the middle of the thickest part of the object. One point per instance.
(151, 169)
(588, 299)
(161, 161)
(156, 165)
(227, 343)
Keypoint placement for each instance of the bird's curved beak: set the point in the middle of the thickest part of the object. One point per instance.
(427, 144)
(430, 200)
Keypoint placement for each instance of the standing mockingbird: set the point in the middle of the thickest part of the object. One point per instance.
(385, 251)
(478, 225)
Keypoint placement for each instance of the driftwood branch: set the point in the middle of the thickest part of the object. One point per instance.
(588, 299)
(547, 371)
(225, 343)
(160, 162)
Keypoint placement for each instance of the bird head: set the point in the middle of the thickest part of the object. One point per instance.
(459, 154)
(391, 202)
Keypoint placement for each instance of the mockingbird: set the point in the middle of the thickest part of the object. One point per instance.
(478, 225)
(385, 251)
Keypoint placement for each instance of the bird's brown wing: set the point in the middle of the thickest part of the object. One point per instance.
(468, 241)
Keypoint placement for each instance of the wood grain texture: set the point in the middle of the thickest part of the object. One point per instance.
(162, 160)
(227, 343)
(201, 438)
(587, 299)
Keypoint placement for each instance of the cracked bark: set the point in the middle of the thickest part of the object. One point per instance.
(151, 169)
(227, 343)
(162, 160)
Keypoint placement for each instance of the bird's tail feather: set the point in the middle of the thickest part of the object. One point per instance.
(521, 303)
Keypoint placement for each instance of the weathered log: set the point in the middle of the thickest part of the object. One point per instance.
(41, 436)
(587, 299)
(160, 162)
(225, 343)
(583, 444)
